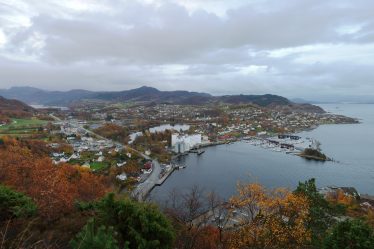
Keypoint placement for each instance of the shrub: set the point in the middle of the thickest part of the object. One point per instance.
(95, 238)
(350, 234)
(14, 204)
(139, 225)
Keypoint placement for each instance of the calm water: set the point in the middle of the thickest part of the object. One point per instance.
(221, 167)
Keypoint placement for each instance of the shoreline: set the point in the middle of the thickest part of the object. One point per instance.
(265, 138)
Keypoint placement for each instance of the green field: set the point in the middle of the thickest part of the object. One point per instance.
(22, 126)
(98, 165)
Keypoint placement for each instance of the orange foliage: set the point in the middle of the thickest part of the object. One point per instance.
(38, 148)
(55, 189)
(114, 132)
(370, 217)
(339, 197)
(132, 167)
(352, 206)
(270, 218)
(208, 238)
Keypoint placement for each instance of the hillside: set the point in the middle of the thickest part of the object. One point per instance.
(15, 108)
(31, 95)
(148, 95)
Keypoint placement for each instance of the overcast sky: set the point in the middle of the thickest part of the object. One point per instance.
(291, 47)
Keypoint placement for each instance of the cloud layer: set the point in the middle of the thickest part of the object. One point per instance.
(293, 48)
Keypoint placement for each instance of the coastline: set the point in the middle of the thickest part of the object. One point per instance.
(264, 139)
(260, 166)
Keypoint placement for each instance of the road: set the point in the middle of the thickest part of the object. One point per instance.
(142, 189)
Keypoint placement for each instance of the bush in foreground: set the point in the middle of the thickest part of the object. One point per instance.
(95, 238)
(135, 225)
(14, 204)
(350, 234)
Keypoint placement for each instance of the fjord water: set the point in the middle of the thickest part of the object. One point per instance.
(221, 167)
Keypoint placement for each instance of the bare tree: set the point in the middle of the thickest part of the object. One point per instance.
(221, 213)
(189, 211)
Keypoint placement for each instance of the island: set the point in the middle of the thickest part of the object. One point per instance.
(314, 154)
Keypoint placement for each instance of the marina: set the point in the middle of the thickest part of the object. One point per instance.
(283, 143)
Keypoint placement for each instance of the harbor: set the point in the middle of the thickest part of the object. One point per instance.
(289, 144)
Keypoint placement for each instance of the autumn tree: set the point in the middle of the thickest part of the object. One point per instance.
(209, 238)
(113, 131)
(55, 189)
(269, 218)
(191, 216)
(342, 201)
(221, 214)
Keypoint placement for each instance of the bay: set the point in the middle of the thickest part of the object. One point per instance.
(221, 167)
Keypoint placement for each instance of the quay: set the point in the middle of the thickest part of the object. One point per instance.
(164, 177)
(143, 189)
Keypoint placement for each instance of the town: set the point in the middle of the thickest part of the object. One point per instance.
(137, 145)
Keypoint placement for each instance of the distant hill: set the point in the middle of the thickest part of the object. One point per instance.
(150, 94)
(15, 108)
(261, 100)
(31, 95)
(146, 95)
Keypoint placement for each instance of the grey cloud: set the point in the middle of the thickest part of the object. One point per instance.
(170, 34)
(123, 44)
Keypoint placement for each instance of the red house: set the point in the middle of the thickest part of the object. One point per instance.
(148, 166)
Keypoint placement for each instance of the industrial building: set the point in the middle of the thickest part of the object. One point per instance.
(183, 143)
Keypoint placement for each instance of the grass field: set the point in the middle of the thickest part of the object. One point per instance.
(22, 126)
(98, 165)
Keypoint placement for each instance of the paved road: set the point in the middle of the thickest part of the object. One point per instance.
(142, 189)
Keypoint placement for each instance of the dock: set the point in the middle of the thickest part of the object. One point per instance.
(164, 177)
(144, 189)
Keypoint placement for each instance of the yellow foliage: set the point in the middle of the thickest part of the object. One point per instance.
(271, 219)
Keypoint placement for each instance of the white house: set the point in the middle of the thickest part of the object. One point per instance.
(121, 164)
(122, 177)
